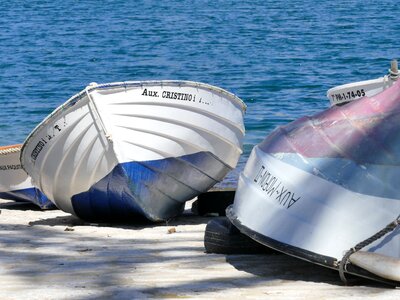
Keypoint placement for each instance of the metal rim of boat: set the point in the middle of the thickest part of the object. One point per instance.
(124, 84)
(325, 261)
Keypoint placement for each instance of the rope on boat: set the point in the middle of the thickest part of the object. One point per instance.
(343, 263)
(10, 150)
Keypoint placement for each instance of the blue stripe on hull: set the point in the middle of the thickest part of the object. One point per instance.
(155, 189)
(32, 195)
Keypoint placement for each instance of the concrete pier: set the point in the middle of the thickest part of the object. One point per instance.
(53, 255)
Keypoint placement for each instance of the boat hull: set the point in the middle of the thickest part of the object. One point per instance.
(319, 186)
(135, 148)
(312, 257)
(157, 189)
(357, 90)
(15, 184)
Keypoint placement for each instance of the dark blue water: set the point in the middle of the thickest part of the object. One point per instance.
(280, 57)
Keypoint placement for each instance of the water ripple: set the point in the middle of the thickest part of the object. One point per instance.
(279, 56)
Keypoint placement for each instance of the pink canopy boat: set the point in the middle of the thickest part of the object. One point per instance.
(326, 188)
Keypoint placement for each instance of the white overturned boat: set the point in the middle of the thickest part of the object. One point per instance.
(326, 188)
(15, 184)
(124, 149)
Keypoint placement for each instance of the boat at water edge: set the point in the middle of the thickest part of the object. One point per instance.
(139, 148)
(15, 184)
(325, 188)
(356, 90)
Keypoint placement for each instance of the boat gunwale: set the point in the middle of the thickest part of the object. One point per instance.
(306, 255)
(4, 150)
(124, 84)
(378, 80)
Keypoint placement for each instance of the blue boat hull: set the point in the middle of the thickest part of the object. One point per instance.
(32, 195)
(155, 189)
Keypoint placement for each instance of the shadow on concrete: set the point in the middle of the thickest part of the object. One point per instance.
(19, 205)
(43, 253)
(187, 218)
(282, 266)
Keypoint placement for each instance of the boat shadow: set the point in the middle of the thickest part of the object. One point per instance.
(279, 266)
(141, 262)
(187, 218)
(20, 205)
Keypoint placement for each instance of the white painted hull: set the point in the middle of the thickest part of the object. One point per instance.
(309, 212)
(121, 149)
(357, 90)
(320, 185)
(15, 184)
(308, 217)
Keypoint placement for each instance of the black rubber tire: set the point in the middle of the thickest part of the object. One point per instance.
(222, 237)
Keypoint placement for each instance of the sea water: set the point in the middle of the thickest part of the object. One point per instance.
(280, 57)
